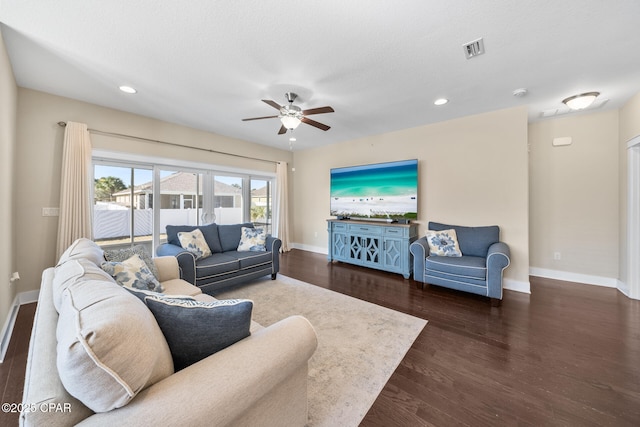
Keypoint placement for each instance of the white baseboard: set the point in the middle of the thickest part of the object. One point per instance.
(516, 285)
(587, 279)
(310, 248)
(624, 288)
(7, 329)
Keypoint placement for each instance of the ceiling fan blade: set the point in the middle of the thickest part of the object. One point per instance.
(282, 130)
(259, 118)
(320, 110)
(315, 124)
(274, 104)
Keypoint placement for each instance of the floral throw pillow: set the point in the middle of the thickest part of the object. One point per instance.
(133, 273)
(194, 242)
(443, 243)
(252, 240)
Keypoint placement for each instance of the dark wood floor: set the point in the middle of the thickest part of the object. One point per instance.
(567, 354)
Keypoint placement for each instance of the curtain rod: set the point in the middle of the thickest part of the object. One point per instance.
(121, 135)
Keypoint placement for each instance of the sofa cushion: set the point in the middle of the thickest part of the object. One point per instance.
(133, 273)
(83, 248)
(209, 231)
(217, 264)
(474, 241)
(194, 242)
(195, 330)
(119, 255)
(251, 259)
(443, 243)
(109, 345)
(252, 240)
(180, 287)
(230, 235)
(464, 266)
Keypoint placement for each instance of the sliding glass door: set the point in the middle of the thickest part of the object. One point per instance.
(134, 203)
(122, 205)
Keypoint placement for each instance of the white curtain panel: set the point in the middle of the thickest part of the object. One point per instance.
(282, 206)
(75, 187)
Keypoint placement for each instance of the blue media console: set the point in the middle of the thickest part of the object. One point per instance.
(380, 245)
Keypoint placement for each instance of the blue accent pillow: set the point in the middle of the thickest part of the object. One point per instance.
(119, 255)
(252, 240)
(133, 273)
(443, 243)
(195, 330)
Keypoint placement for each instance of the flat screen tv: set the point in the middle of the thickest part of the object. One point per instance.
(382, 191)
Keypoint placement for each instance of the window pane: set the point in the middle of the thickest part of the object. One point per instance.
(181, 199)
(261, 196)
(143, 206)
(227, 199)
(122, 212)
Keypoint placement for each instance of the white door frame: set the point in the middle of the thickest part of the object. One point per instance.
(633, 217)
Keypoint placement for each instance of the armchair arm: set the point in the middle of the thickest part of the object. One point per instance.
(186, 260)
(420, 251)
(270, 365)
(168, 268)
(497, 260)
(274, 244)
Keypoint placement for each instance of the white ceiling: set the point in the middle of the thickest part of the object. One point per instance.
(379, 63)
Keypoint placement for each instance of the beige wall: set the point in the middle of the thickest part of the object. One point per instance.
(8, 103)
(39, 154)
(629, 128)
(473, 171)
(574, 195)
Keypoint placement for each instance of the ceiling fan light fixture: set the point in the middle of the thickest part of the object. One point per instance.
(290, 122)
(581, 101)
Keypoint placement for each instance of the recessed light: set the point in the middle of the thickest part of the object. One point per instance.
(128, 89)
(440, 101)
(519, 93)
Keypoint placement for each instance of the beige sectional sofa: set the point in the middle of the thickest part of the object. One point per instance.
(116, 359)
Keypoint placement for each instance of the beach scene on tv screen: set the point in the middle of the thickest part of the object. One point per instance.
(383, 190)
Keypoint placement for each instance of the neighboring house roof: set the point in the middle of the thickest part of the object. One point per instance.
(259, 192)
(181, 183)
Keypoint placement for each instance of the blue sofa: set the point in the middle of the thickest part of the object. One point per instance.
(226, 266)
(479, 269)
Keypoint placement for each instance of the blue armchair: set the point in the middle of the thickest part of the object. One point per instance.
(479, 269)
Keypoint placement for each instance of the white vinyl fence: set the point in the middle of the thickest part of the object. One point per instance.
(108, 224)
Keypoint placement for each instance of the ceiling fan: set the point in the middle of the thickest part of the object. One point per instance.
(291, 115)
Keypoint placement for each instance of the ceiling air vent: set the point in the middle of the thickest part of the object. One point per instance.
(473, 48)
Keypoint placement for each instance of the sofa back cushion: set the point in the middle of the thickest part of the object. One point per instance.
(72, 271)
(230, 235)
(109, 345)
(83, 248)
(473, 241)
(209, 231)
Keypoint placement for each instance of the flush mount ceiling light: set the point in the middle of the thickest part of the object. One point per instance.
(128, 89)
(582, 101)
(440, 101)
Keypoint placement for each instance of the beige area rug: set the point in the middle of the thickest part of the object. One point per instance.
(359, 344)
